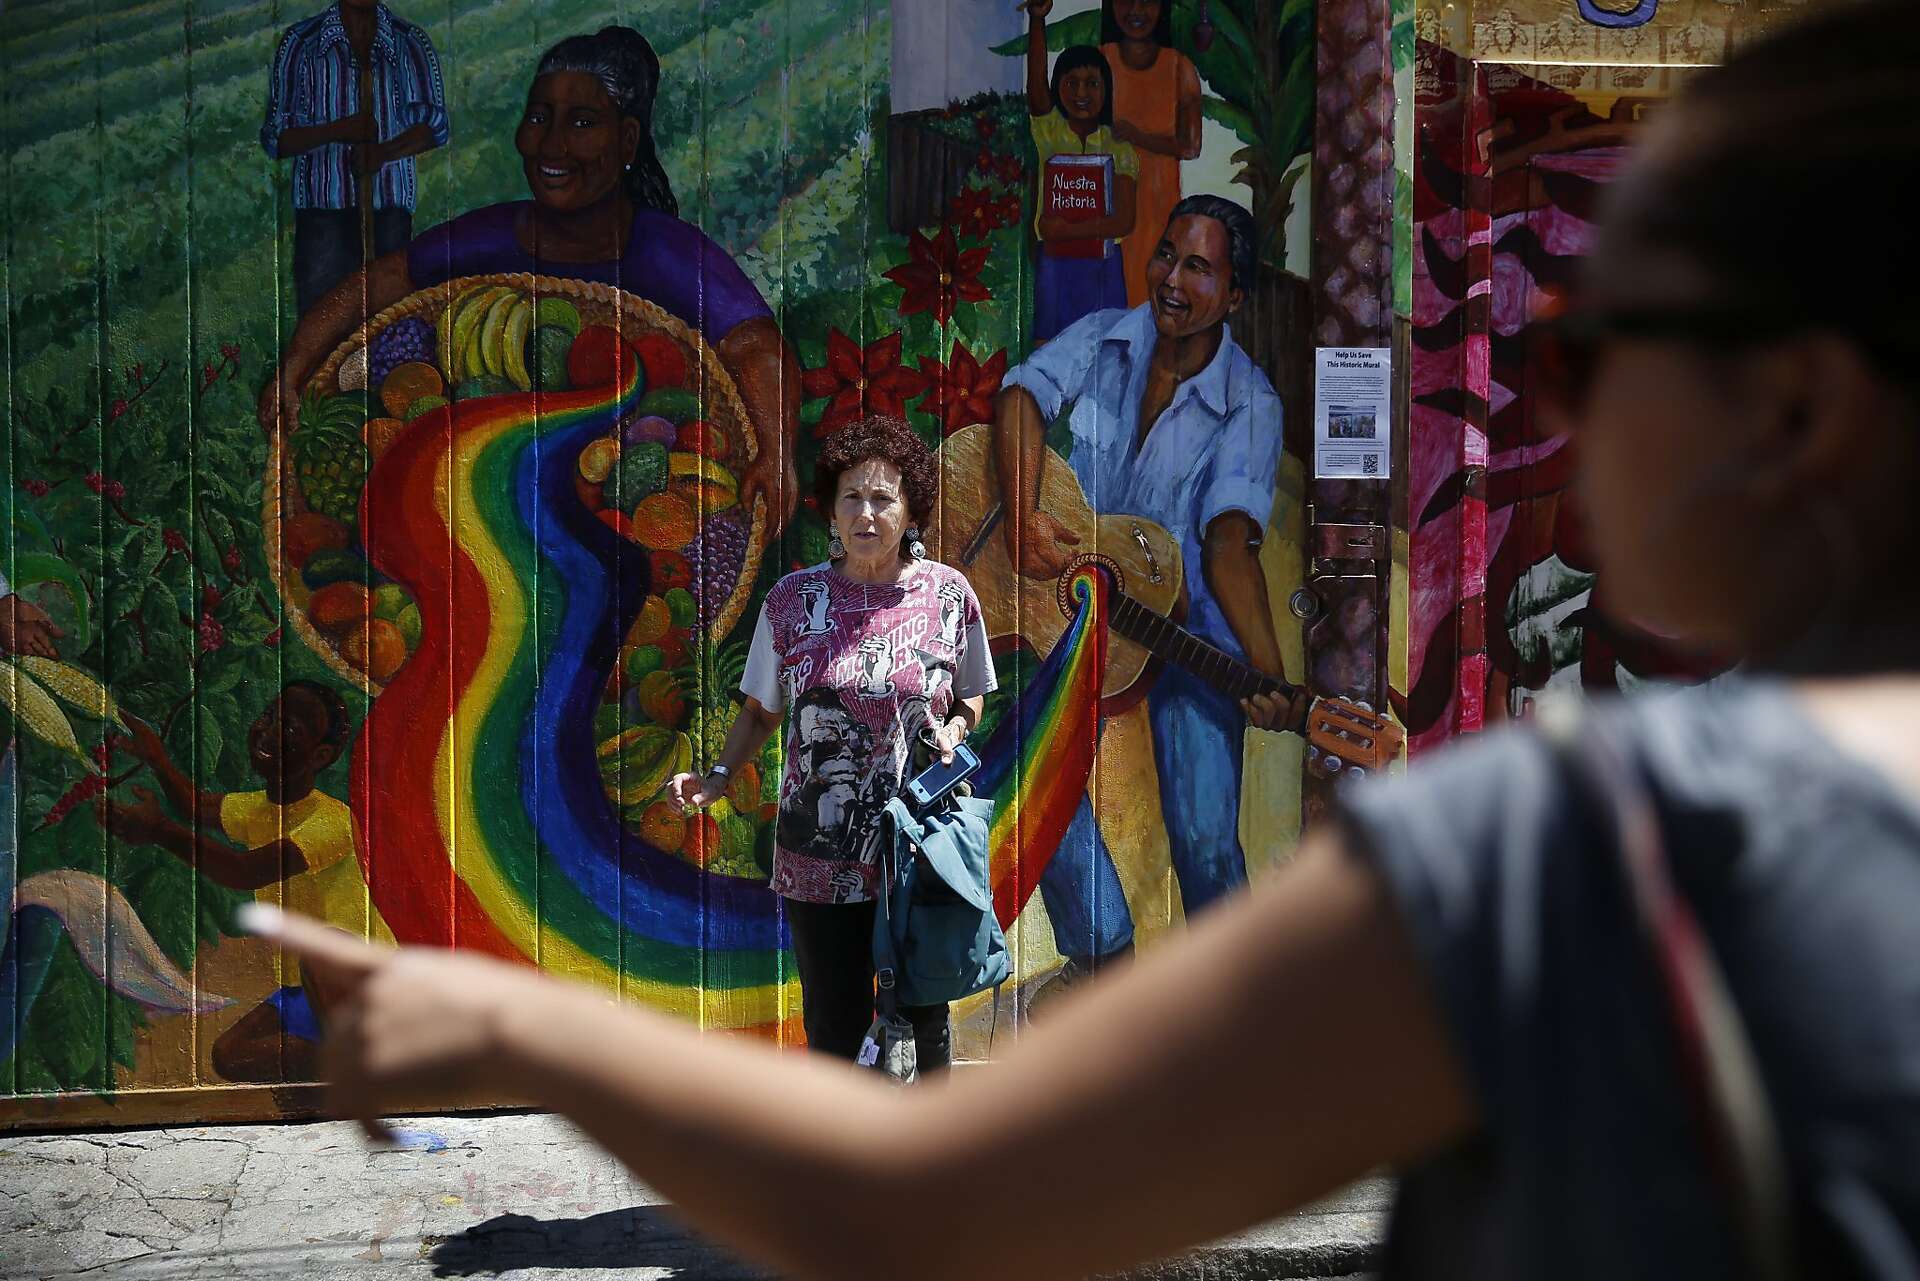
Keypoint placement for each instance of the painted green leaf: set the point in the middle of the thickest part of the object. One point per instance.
(1234, 118)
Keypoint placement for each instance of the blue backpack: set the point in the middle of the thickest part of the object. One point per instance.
(936, 936)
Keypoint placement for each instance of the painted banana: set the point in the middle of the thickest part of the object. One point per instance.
(493, 332)
(467, 320)
(519, 325)
(447, 331)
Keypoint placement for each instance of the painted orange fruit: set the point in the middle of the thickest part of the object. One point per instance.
(408, 383)
(661, 699)
(377, 649)
(665, 522)
(380, 433)
(663, 826)
(703, 839)
(652, 623)
(338, 606)
(745, 791)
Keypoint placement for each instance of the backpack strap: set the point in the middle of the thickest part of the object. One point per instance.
(1722, 1075)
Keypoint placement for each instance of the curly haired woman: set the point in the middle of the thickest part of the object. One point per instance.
(876, 650)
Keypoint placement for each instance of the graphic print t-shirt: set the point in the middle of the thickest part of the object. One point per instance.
(861, 668)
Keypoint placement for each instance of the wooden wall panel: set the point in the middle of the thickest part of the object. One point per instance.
(482, 653)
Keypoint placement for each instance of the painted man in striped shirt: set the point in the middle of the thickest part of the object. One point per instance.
(340, 124)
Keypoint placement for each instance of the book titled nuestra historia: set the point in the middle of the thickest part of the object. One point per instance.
(1078, 188)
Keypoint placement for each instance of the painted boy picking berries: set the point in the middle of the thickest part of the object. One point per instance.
(289, 843)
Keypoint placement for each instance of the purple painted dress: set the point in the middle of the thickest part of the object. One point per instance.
(670, 263)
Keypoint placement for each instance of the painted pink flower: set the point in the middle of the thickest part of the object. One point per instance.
(96, 482)
(173, 540)
(119, 408)
(212, 635)
(37, 488)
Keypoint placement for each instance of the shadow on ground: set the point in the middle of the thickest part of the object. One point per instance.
(641, 1237)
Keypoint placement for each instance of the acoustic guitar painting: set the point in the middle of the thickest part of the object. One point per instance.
(1143, 565)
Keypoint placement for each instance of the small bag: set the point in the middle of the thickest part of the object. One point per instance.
(889, 1048)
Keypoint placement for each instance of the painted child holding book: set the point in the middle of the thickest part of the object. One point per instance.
(1087, 183)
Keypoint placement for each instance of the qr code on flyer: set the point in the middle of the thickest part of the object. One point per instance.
(1370, 465)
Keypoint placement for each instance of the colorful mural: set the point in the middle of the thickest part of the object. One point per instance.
(406, 621)
(1510, 158)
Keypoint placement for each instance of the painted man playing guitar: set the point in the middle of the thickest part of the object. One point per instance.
(1175, 425)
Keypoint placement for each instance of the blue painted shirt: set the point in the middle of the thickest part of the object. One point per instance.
(316, 80)
(1214, 450)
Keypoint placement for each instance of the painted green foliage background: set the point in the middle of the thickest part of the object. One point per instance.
(147, 289)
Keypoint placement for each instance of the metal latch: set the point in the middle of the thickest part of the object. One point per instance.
(1347, 542)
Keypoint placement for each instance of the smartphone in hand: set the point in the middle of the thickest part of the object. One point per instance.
(941, 777)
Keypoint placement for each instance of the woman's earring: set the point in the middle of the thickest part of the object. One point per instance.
(836, 550)
(916, 550)
(629, 166)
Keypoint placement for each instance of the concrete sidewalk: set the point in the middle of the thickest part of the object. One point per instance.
(501, 1196)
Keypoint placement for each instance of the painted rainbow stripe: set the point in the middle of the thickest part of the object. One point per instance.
(489, 829)
(1036, 765)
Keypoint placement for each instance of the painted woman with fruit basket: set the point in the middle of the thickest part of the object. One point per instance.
(524, 507)
(601, 210)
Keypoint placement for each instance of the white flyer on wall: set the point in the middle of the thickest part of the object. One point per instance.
(1353, 412)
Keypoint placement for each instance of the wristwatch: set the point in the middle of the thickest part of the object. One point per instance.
(721, 770)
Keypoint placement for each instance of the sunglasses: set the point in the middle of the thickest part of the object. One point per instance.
(1566, 343)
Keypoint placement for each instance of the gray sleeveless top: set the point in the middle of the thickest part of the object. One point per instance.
(1803, 866)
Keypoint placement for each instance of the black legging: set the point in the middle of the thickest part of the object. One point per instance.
(833, 947)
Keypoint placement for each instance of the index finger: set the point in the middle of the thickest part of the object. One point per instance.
(349, 959)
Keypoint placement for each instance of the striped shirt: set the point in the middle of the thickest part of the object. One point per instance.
(316, 81)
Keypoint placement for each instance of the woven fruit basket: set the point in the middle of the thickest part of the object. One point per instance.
(667, 476)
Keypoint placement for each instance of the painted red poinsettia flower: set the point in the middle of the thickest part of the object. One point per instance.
(861, 381)
(961, 392)
(939, 276)
(983, 127)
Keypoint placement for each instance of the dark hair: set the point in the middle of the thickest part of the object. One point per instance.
(627, 67)
(1162, 30)
(1240, 229)
(1813, 120)
(884, 437)
(339, 728)
(1074, 57)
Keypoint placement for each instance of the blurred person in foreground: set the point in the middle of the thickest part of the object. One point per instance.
(1450, 978)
